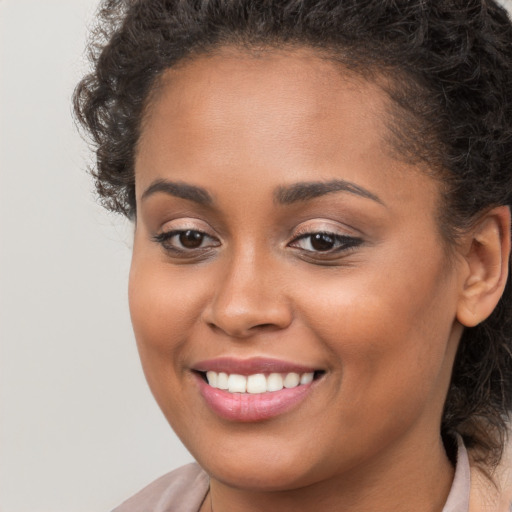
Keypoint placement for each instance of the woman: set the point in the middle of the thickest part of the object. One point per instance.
(319, 286)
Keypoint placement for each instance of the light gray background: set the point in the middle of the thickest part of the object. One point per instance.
(79, 431)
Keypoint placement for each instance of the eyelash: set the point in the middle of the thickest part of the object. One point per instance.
(165, 239)
(344, 243)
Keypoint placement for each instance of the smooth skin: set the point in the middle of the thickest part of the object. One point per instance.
(380, 311)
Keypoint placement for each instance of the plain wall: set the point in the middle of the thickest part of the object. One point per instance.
(79, 430)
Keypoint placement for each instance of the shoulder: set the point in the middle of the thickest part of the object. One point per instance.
(475, 489)
(495, 495)
(181, 490)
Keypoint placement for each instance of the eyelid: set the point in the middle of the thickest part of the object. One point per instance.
(168, 237)
(324, 226)
(186, 223)
(170, 233)
(346, 239)
(169, 241)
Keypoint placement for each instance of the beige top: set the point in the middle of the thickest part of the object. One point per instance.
(185, 489)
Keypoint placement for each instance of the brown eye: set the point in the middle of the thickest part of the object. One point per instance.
(191, 239)
(322, 242)
(186, 242)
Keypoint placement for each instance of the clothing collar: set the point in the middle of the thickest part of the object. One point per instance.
(458, 499)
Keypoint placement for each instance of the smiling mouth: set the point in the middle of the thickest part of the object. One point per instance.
(255, 397)
(254, 389)
(258, 383)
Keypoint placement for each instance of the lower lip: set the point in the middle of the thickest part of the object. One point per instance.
(247, 407)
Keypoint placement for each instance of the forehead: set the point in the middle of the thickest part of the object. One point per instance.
(266, 98)
(272, 117)
(270, 73)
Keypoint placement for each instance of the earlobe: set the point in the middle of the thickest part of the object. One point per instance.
(487, 260)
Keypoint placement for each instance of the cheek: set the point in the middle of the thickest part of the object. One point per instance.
(387, 333)
(162, 312)
(164, 308)
(165, 303)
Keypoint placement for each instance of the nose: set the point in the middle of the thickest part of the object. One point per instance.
(249, 298)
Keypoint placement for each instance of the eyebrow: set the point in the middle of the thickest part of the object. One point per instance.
(178, 189)
(310, 190)
(284, 195)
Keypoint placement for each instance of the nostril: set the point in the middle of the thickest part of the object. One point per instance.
(241, 311)
(263, 326)
(242, 329)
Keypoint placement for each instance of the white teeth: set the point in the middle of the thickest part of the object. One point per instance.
(211, 377)
(222, 380)
(237, 383)
(291, 380)
(306, 378)
(274, 382)
(258, 382)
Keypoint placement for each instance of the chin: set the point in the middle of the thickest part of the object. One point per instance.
(261, 476)
(260, 466)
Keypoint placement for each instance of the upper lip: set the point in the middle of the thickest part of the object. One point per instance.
(251, 366)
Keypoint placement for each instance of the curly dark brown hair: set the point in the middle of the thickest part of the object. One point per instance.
(449, 65)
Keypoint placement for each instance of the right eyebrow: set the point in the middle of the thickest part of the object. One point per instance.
(305, 191)
(178, 189)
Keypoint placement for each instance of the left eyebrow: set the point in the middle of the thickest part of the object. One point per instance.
(178, 189)
(305, 191)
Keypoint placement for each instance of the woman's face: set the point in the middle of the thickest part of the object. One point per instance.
(276, 234)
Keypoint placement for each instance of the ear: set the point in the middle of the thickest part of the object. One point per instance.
(487, 251)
